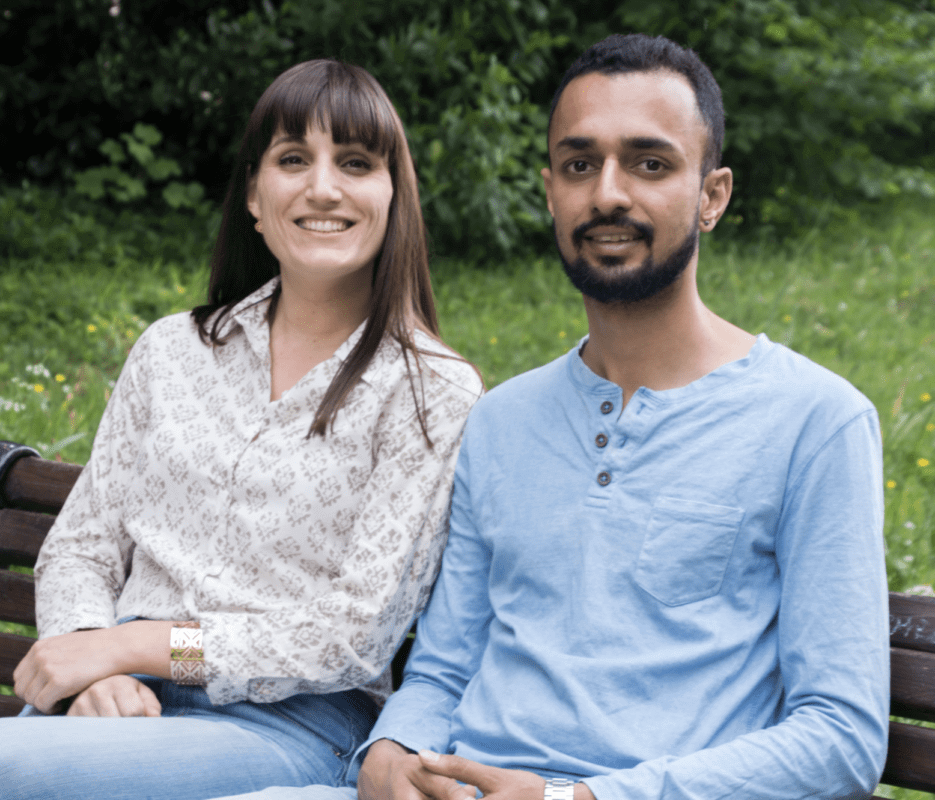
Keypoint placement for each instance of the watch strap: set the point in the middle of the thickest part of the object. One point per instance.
(559, 789)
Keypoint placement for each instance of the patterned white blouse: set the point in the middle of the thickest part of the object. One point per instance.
(305, 560)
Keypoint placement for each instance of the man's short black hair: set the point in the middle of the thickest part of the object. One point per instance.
(637, 52)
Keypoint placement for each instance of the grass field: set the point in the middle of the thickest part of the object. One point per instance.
(857, 296)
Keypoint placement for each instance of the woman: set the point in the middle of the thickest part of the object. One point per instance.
(264, 506)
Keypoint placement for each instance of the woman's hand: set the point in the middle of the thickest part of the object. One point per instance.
(116, 696)
(62, 666)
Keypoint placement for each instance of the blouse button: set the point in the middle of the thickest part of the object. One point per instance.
(607, 407)
(603, 478)
(600, 440)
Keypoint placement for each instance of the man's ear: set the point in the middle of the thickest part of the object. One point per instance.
(547, 181)
(715, 195)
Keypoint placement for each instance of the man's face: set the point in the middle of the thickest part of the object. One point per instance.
(624, 185)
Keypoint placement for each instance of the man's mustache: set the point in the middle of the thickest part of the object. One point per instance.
(612, 220)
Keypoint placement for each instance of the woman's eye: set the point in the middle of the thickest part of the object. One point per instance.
(357, 163)
(290, 160)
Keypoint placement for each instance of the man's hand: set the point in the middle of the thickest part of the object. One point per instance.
(493, 782)
(391, 772)
(61, 666)
(116, 696)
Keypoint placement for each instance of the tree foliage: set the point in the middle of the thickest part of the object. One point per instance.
(823, 100)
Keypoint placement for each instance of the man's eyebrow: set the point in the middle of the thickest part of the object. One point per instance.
(649, 143)
(637, 143)
(575, 143)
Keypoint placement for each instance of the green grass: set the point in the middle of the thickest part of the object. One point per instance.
(858, 296)
(78, 284)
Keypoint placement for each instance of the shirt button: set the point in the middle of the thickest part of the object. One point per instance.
(600, 440)
(607, 407)
(603, 478)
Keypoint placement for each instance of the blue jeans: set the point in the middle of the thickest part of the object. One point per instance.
(304, 793)
(195, 751)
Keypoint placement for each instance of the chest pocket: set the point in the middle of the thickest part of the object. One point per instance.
(686, 550)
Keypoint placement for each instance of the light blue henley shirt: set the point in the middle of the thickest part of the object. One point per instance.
(685, 598)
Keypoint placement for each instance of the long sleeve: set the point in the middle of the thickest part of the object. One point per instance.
(82, 566)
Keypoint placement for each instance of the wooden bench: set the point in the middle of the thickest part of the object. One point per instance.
(34, 489)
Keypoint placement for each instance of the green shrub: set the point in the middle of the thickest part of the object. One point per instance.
(124, 185)
(825, 100)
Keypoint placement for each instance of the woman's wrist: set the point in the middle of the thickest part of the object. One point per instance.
(186, 658)
(142, 646)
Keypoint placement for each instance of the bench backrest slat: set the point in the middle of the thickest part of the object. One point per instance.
(913, 684)
(37, 484)
(912, 622)
(12, 650)
(21, 536)
(910, 760)
(17, 598)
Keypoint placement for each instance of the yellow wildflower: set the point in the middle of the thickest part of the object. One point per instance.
(180, 289)
(923, 462)
(561, 334)
(38, 388)
(59, 378)
(787, 318)
(891, 484)
(493, 339)
(930, 427)
(926, 397)
(92, 328)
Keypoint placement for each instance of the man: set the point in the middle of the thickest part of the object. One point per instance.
(664, 575)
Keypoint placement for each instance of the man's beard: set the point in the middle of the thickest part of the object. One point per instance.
(641, 283)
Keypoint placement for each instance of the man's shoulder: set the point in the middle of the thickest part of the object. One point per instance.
(520, 395)
(795, 378)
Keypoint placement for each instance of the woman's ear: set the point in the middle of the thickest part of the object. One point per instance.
(253, 203)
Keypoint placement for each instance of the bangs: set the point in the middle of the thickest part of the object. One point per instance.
(337, 99)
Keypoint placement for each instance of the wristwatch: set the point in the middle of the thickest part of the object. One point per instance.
(559, 789)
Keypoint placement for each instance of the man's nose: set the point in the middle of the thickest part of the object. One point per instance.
(612, 189)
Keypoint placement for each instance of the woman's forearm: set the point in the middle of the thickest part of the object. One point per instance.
(62, 666)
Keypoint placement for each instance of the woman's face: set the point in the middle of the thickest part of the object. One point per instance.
(323, 206)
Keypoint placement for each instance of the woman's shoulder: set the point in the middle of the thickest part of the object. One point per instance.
(442, 366)
(172, 335)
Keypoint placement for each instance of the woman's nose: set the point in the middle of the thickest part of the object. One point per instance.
(323, 184)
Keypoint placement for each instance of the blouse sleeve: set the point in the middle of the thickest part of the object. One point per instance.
(84, 560)
(346, 636)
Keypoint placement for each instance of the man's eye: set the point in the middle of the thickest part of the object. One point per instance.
(652, 165)
(578, 166)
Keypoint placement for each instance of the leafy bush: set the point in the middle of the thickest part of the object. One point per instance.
(824, 100)
(115, 182)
